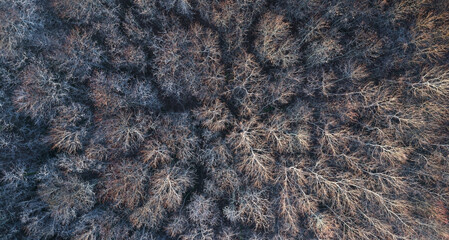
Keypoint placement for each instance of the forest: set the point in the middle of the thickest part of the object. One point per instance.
(224, 119)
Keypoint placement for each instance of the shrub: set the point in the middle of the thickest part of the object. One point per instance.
(113, 92)
(20, 22)
(227, 180)
(78, 164)
(203, 211)
(149, 8)
(247, 137)
(299, 11)
(198, 233)
(143, 94)
(118, 91)
(132, 28)
(38, 221)
(255, 160)
(216, 154)
(228, 234)
(102, 92)
(284, 87)
(313, 30)
(96, 151)
(177, 226)
(15, 188)
(181, 6)
(176, 132)
(355, 71)
(224, 119)
(233, 19)
(323, 51)
(122, 53)
(325, 226)
(20, 140)
(294, 199)
(434, 83)
(431, 37)
(150, 216)
(281, 135)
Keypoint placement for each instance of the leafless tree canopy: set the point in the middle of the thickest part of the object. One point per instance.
(224, 119)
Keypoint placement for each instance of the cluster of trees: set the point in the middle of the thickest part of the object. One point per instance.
(224, 119)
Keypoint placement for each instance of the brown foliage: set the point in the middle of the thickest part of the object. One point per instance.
(175, 132)
(247, 141)
(168, 186)
(431, 36)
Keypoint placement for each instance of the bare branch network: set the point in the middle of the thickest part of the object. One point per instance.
(224, 119)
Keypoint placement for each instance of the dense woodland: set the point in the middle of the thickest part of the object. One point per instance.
(224, 119)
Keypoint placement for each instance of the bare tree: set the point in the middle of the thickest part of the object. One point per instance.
(40, 92)
(188, 62)
(66, 198)
(254, 208)
(69, 128)
(84, 11)
(246, 88)
(167, 189)
(274, 43)
(124, 184)
(215, 115)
